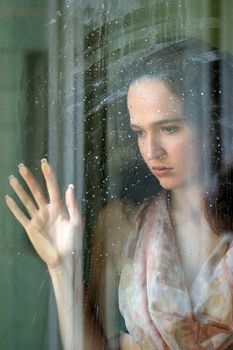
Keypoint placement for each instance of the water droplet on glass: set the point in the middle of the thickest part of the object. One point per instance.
(53, 20)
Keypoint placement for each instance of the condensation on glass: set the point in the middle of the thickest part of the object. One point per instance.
(65, 71)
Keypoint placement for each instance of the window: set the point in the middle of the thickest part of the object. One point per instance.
(63, 97)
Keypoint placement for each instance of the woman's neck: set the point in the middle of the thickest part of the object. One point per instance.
(195, 240)
(188, 200)
(187, 211)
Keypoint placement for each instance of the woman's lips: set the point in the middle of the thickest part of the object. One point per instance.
(161, 171)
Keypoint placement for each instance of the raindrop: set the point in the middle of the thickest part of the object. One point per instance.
(53, 20)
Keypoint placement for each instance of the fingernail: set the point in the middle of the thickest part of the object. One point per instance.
(7, 197)
(71, 186)
(12, 178)
(22, 169)
(45, 167)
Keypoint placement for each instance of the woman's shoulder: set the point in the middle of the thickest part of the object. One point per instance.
(115, 223)
(118, 225)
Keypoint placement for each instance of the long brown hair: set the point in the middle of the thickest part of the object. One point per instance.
(201, 76)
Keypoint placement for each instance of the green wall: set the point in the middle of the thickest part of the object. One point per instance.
(24, 279)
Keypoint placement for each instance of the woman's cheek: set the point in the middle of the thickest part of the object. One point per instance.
(141, 146)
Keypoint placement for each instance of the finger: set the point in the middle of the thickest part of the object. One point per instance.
(19, 215)
(72, 205)
(32, 185)
(51, 181)
(23, 196)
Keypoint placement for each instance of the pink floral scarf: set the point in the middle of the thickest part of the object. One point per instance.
(159, 312)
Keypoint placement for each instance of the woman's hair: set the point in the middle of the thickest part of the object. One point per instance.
(202, 77)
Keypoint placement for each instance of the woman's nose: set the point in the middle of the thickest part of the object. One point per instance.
(155, 150)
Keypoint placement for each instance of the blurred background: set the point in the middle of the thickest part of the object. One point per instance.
(59, 60)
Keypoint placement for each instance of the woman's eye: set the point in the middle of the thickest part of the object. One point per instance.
(139, 133)
(170, 129)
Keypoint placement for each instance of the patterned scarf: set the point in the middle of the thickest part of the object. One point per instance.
(159, 312)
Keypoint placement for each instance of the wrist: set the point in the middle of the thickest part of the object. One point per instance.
(66, 267)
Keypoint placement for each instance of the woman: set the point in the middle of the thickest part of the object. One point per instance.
(176, 281)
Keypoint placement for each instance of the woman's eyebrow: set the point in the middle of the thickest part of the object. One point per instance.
(170, 120)
(161, 122)
(133, 126)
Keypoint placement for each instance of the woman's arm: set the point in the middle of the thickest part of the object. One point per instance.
(79, 329)
(55, 230)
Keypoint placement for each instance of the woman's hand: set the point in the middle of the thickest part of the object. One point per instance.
(54, 230)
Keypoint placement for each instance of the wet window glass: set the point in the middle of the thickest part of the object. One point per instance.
(116, 174)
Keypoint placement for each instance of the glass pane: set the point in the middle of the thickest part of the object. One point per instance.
(129, 101)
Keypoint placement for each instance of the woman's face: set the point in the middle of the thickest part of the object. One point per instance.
(166, 141)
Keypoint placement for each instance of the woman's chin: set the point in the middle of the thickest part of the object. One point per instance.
(167, 186)
(171, 185)
(175, 185)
